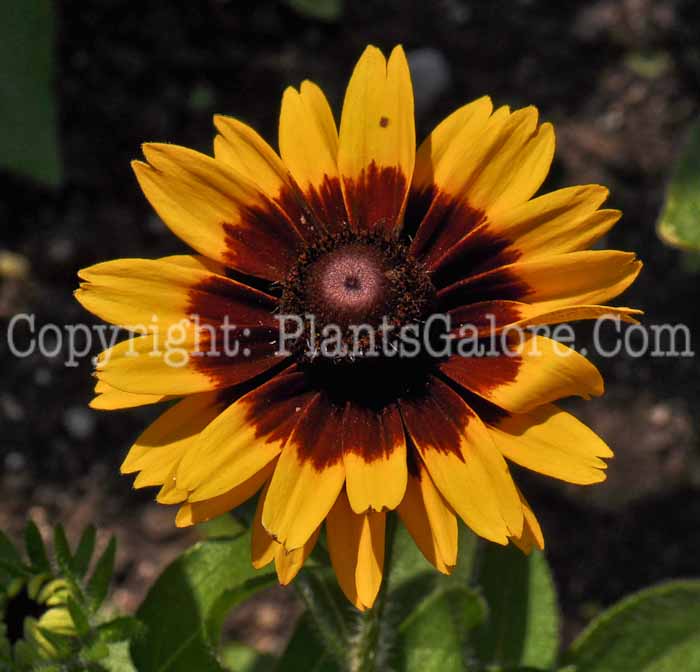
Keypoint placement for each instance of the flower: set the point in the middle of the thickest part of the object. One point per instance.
(357, 227)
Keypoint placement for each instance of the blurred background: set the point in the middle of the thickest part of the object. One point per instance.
(82, 84)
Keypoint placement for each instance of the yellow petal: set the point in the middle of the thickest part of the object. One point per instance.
(245, 438)
(472, 168)
(566, 220)
(463, 462)
(536, 314)
(197, 262)
(263, 547)
(309, 146)
(441, 205)
(161, 447)
(288, 563)
(152, 365)
(374, 456)
(439, 152)
(562, 221)
(475, 141)
(552, 442)
(244, 151)
(169, 492)
(193, 513)
(535, 371)
(377, 142)
(430, 522)
(516, 165)
(586, 277)
(218, 211)
(492, 317)
(110, 399)
(308, 476)
(356, 547)
(147, 295)
(560, 281)
(531, 536)
(140, 366)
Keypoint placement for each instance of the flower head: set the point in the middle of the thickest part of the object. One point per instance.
(326, 264)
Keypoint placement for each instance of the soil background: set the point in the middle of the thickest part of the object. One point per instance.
(620, 79)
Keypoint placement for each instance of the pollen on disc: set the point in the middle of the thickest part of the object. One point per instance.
(351, 282)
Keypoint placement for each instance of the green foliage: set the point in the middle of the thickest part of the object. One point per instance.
(306, 651)
(84, 551)
(435, 613)
(98, 585)
(70, 632)
(321, 10)
(184, 610)
(679, 224)
(221, 526)
(655, 630)
(496, 612)
(522, 628)
(328, 613)
(61, 550)
(421, 621)
(35, 548)
(241, 658)
(10, 560)
(118, 659)
(433, 637)
(28, 119)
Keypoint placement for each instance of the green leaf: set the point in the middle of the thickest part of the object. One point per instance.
(98, 586)
(239, 657)
(35, 548)
(655, 630)
(433, 637)
(433, 614)
(62, 550)
(9, 570)
(94, 652)
(83, 554)
(28, 119)
(11, 565)
(305, 650)
(8, 551)
(118, 659)
(412, 578)
(221, 526)
(322, 10)
(522, 628)
(184, 609)
(79, 617)
(328, 609)
(120, 629)
(679, 224)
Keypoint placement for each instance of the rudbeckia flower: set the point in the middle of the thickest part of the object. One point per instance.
(355, 226)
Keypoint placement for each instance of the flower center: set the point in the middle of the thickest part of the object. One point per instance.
(353, 293)
(349, 285)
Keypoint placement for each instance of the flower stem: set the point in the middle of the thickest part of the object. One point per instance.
(371, 641)
(364, 646)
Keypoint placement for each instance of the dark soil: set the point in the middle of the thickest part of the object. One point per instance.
(620, 79)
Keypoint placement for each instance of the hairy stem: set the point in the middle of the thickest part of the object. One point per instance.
(372, 639)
